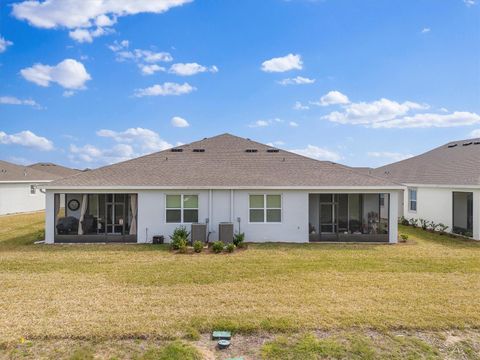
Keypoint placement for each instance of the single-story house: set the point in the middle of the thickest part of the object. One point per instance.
(20, 186)
(443, 186)
(267, 193)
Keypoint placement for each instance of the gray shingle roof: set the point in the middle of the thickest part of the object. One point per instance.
(224, 162)
(455, 163)
(54, 169)
(12, 172)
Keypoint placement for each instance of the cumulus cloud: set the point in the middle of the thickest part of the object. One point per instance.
(475, 133)
(385, 113)
(299, 106)
(146, 60)
(299, 80)
(177, 121)
(86, 19)
(282, 64)
(165, 89)
(69, 74)
(426, 30)
(28, 139)
(318, 153)
(12, 100)
(189, 69)
(4, 44)
(391, 156)
(91, 154)
(145, 139)
(470, 2)
(265, 123)
(332, 98)
(293, 124)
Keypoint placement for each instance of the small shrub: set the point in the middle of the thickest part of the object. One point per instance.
(238, 238)
(404, 237)
(424, 224)
(179, 238)
(182, 247)
(404, 221)
(217, 247)
(442, 228)
(432, 226)
(230, 247)
(198, 246)
(413, 222)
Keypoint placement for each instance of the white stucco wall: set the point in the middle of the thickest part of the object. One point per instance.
(16, 198)
(225, 206)
(436, 204)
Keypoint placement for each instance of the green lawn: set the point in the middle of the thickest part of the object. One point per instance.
(125, 292)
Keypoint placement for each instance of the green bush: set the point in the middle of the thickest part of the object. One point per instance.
(404, 221)
(413, 222)
(182, 247)
(424, 224)
(230, 247)
(179, 238)
(198, 246)
(442, 228)
(404, 237)
(217, 247)
(238, 239)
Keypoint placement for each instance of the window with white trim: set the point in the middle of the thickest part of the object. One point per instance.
(265, 208)
(412, 199)
(181, 209)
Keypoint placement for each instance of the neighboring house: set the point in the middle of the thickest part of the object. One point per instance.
(267, 193)
(55, 169)
(443, 186)
(20, 186)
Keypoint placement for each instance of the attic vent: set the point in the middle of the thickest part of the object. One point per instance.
(452, 145)
(476, 143)
(272, 150)
(467, 143)
(251, 150)
(176, 150)
(198, 150)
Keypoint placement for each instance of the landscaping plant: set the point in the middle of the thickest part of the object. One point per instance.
(198, 246)
(238, 239)
(179, 238)
(404, 237)
(217, 247)
(230, 247)
(413, 222)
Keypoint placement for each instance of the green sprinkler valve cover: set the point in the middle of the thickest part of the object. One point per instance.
(221, 335)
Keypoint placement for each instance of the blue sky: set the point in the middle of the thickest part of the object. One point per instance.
(364, 83)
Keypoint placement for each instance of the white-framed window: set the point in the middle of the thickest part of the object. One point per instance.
(265, 208)
(181, 208)
(33, 189)
(412, 200)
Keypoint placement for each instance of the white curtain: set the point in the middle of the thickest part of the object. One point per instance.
(133, 208)
(83, 210)
(56, 201)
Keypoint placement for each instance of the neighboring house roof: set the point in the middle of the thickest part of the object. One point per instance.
(16, 173)
(54, 169)
(223, 161)
(363, 170)
(455, 163)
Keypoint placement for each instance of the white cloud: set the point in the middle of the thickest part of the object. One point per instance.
(293, 124)
(276, 143)
(26, 138)
(393, 156)
(150, 69)
(145, 139)
(475, 133)
(147, 60)
(426, 30)
(95, 17)
(429, 120)
(318, 153)
(332, 98)
(385, 113)
(68, 93)
(12, 100)
(470, 2)
(177, 121)
(165, 89)
(4, 44)
(130, 143)
(299, 80)
(260, 123)
(282, 64)
(69, 74)
(189, 69)
(363, 113)
(299, 106)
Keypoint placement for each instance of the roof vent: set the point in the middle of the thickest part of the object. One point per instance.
(476, 143)
(467, 143)
(176, 150)
(251, 150)
(452, 145)
(198, 150)
(273, 150)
